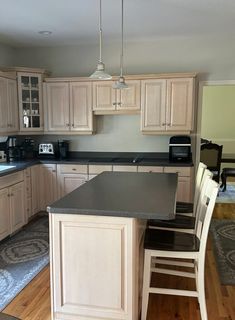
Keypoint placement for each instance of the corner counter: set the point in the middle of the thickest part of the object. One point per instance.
(96, 236)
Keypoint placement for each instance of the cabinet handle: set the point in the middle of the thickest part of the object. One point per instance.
(67, 124)
(74, 169)
(73, 125)
(163, 124)
(169, 124)
(8, 195)
(114, 103)
(53, 170)
(119, 103)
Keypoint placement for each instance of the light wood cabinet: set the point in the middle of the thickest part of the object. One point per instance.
(96, 266)
(68, 107)
(125, 168)
(28, 193)
(185, 182)
(30, 101)
(106, 99)
(5, 226)
(70, 177)
(167, 105)
(36, 189)
(8, 106)
(12, 204)
(17, 207)
(48, 185)
(56, 102)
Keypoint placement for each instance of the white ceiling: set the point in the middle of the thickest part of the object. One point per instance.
(74, 22)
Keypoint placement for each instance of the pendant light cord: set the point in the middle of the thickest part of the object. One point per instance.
(100, 30)
(121, 60)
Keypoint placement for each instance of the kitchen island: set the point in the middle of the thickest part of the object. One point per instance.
(96, 236)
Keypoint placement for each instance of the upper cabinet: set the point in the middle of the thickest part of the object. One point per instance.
(167, 105)
(107, 100)
(8, 105)
(68, 107)
(30, 101)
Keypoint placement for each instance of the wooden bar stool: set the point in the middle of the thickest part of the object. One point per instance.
(171, 248)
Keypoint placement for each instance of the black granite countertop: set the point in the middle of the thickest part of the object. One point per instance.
(123, 194)
(98, 158)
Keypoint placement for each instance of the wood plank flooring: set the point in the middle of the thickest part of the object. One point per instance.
(33, 303)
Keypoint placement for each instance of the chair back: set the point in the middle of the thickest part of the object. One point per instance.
(211, 154)
(204, 211)
(198, 184)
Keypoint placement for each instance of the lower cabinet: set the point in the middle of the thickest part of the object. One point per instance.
(12, 209)
(36, 189)
(70, 177)
(48, 182)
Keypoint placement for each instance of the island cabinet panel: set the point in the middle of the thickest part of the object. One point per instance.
(98, 277)
(17, 206)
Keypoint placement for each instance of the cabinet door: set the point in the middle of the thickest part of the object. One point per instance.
(129, 99)
(57, 103)
(81, 106)
(70, 182)
(3, 105)
(17, 207)
(4, 213)
(13, 114)
(104, 96)
(36, 189)
(179, 104)
(30, 101)
(153, 100)
(184, 189)
(49, 185)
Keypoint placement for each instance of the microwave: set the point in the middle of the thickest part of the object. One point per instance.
(180, 149)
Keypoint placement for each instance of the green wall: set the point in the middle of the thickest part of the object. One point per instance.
(218, 116)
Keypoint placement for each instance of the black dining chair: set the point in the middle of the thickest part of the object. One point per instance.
(211, 154)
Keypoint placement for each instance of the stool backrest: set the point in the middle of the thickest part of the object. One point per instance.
(198, 184)
(204, 211)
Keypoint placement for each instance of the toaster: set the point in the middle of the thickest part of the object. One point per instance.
(46, 149)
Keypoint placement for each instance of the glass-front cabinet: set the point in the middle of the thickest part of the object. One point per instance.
(30, 101)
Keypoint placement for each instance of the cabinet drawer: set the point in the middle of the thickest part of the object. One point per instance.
(125, 168)
(149, 169)
(182, 171)
(11, 179)
(73, 168)
(96, 169)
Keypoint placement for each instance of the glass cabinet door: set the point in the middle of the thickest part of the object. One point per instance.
(30, 101)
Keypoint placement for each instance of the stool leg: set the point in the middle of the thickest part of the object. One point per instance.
(146, 284)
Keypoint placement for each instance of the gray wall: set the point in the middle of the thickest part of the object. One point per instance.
(7, 55)
(212, 58)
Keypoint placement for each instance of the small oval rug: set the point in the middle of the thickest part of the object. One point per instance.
(22, 257)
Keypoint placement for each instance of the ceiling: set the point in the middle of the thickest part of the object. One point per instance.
(73, 22)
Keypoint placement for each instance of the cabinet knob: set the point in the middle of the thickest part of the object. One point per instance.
(67, 124)
(74, 169)
(8, 195)
(114, 103)
(163, 124)
(119, 103)
(53, 170)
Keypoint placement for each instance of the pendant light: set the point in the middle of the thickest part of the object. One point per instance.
(121, 84)
(100, 73)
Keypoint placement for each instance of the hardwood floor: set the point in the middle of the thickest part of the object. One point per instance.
(33, 303)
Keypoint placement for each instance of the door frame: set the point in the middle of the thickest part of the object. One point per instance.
(203, 84)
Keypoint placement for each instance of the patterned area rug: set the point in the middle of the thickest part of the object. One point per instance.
(22, 257)
(223, 239)
(227, 196)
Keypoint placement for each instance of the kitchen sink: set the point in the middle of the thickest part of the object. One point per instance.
(2, 168)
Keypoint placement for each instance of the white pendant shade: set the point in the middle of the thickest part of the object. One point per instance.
(120, 84)
(100, 73)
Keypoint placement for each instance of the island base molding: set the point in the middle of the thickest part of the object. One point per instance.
(96, 267)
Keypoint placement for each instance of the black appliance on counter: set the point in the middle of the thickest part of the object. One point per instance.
(13, 150)
(28, 149)
(63, 149)
(180, 149)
